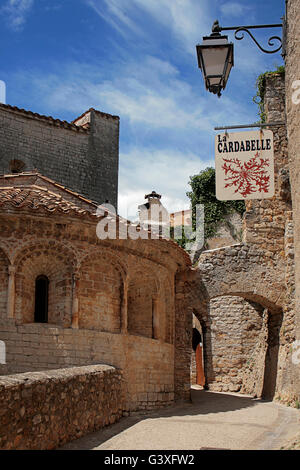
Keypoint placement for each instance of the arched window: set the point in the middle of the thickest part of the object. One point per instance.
(16, 166)
(41, 299)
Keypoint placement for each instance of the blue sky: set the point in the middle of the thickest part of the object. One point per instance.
(136, 59)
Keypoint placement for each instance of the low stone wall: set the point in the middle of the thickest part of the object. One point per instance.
(147, 364)
(44, 410)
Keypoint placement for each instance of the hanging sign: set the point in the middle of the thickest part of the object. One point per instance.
(244, 165)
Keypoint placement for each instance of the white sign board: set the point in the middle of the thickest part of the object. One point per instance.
(244, 165)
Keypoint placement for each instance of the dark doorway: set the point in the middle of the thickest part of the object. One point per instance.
(197, 346)
(41, 299)
(271, 358)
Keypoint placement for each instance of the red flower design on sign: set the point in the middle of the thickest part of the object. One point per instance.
(248, 177)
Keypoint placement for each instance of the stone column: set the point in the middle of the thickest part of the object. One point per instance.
(124, 309)
(11, 292)
(182, 340)
(75, 301)
(200, 377)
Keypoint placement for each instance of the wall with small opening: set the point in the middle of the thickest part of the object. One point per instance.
(56, 266)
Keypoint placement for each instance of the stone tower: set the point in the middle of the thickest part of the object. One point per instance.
(82, 155)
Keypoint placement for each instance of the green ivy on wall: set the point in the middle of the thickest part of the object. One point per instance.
(215, 211)
(261, 90)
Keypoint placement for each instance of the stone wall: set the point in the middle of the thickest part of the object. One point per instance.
(147, 364)
(84, 159)
(44, 410)
(293, 127)
(246, 271)
(264, 220)
(228, 232)
(230, 341)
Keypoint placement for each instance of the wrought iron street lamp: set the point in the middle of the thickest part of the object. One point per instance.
(215, 59)
(215, 54)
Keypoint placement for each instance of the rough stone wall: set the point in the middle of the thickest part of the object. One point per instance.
(287, 372)
(246, 271)
(84, 160)
(254, 369)
(230, 341)
(44, 410)
(293, 127)
(264, 220)
(228, 233)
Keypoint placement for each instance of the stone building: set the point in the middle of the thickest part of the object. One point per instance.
(82, 155)
(70, 299)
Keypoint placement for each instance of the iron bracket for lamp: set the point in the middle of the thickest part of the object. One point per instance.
(216, 29)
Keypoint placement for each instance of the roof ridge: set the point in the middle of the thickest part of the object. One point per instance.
(106, 115)
(42, 117)
(49, 180)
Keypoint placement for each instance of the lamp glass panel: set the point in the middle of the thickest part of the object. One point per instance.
(229, 66)
(215, 80)
(214, 60)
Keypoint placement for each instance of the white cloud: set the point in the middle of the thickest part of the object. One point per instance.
(234, 9)
(165, 171)
(151, 95)
(15, 12)
(186, 19)
(115, 14)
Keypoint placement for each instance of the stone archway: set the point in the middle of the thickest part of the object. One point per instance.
(249, 277)
(243, 270)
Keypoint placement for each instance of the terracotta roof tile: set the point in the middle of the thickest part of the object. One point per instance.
(36, 198)
(32, 195)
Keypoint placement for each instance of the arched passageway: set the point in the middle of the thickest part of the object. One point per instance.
(239, 298)
(240, 346)
(197, 358)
